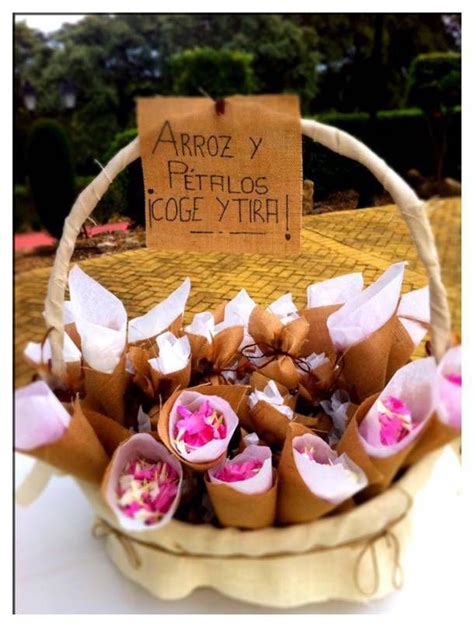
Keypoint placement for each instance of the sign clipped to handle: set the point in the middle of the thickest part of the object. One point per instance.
(222, 177)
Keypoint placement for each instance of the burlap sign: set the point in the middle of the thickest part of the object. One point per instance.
(226, 181)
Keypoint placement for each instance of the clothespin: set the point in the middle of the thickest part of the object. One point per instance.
(219, 103)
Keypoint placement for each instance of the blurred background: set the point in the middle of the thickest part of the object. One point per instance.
(392, 80)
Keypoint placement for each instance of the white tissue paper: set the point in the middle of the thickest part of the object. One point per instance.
(284, 309)
(368, 311)
(174, 353)
(161, 316)
(335, 291)
(272, 396)
(101, 321)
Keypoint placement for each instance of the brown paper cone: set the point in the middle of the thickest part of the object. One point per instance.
(293, 336)
(380, 471)
(321, 380)
(318, 339)
(283, 371)
(78, 452)
(268, 423)
(139, 357)
(200, 349)
(166, 384)
(435, 435)
(296, 502)
(109, 432)
(233, 394)
(225, 346)
(264, 327)
(351, 444)
(401, 350)
(246, 511)
(364, 365)
(321, 424)
(107, 391)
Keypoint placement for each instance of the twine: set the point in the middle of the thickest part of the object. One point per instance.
(102, 529)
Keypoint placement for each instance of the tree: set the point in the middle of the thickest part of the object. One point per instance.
(434, 85)
(218, 72)
(51, 174)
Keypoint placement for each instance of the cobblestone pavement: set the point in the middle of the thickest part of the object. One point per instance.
(365, 240)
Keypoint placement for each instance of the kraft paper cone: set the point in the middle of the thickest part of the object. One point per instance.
(401, 350)
(110, 433)
(268, 423)
(380, 471)
(233, 394)
(264, 327)
(220, 353)
(318, 339)
(200, 349)
(78, 452)
(139, 357)
(321, 424)
(320, 380)
(225, 346)
(283, 371)
(166, 384)
(294, 335)
(107, 391)
(267, 329)
(296, 503)
(364, 364)
(247, 511)
(351, 444)
(435, 435)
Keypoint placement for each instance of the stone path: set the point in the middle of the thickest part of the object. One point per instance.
(366, 240)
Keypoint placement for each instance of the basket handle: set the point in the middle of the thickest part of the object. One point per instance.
(410, 206)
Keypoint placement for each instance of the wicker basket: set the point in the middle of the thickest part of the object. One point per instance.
(352, 556)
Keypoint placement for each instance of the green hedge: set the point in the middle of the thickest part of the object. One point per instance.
(218, 72)
(434, 81)
(402, 138)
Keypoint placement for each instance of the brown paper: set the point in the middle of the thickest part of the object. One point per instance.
(401, 350)
(246, 511)
(282, 343)
(228, 182)
(364, 364)
(318, 339)
(435, 435)
(233, 394)
(268, 423)
(166, 384)
(209, 358)
(321, 380)
(78, 452)
(282, 370)
(139, 357)
(380, 471)
(107, 391)
(296, 502)
(110, 433)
